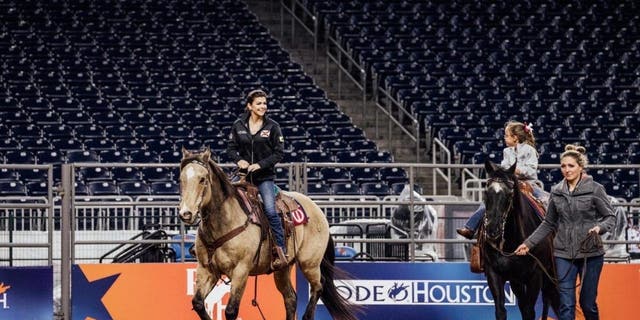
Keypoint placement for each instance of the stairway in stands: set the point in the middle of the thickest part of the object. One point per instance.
(348, 96)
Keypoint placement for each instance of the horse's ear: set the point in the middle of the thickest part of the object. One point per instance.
(512, 169)
(490, 167)
(206, 155)
(185, 153)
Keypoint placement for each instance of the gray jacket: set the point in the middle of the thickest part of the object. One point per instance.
(571, 215)
(526, 157)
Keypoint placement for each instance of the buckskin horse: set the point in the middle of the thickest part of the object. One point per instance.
(509, 219)
(228, 244)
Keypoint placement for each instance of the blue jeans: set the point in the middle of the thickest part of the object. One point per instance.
(474, 221)
(568, 271)
(267, 192)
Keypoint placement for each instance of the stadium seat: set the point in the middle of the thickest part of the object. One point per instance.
(133, 188)
(101, 188)
(12, 188)
(375, 189)
(126, 174)
(345, 188)
(364, 174)
(336, 174)
(164, 188)
(82, 156)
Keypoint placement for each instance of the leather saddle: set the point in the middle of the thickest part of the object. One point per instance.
(249, 199)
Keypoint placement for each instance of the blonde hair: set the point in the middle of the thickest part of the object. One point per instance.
(523, 132)
(576, 152)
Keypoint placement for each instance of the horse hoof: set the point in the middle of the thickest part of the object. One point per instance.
(465, 232)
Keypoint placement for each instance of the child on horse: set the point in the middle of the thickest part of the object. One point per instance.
(256, 145)
(521, 148)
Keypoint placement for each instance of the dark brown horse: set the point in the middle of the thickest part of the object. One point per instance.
(509, 220)
(207, 194)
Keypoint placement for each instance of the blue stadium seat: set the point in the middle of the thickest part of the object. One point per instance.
(19, 157)
(156, 174)
(375, 189)
(95, 173)
(334, 145)
(348, 157)
(82, 156)
(134, 188)
(364, 174)
(170, 156)
(102, 188)
(318, 156)
(126, 174)
(144, 156)
(336, 174)
(113, 155)
(165, 188)
(12, 188)
(345, 188)
(36, 188)
(393, 175)
(378, 156)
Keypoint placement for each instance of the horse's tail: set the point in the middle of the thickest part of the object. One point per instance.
(337, 305)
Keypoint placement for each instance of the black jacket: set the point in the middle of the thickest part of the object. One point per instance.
(264, 148)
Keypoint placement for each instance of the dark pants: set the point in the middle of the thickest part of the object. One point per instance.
(267, 192)
(568, 271)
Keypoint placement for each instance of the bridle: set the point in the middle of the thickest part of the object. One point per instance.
(200, 198)
(503, 216)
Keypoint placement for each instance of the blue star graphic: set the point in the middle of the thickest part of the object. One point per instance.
(87, 295)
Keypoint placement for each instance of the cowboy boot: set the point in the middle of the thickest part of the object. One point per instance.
(466, 232)
(280, 261)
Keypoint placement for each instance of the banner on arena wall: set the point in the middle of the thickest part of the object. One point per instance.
(26, 293)
(415, 291)
(618, 291)
(160, 291)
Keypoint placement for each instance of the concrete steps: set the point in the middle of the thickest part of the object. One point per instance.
(345, 93)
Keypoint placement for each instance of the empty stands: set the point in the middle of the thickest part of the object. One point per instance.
(121, 81)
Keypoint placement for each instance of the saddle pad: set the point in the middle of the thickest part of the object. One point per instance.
(299, 216)
(535, 205)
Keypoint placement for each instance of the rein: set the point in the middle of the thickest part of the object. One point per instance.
(212, 246)
(504, 215)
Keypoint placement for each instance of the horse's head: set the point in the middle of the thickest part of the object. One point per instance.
(195, 184)
(498, 198)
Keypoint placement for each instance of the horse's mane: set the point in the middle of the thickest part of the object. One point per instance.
(216, 172)
(527, 218)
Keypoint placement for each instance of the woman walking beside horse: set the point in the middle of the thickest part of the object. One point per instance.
(579, 212)
(256, 145)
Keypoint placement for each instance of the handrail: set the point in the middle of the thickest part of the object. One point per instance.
(438, 171)
(292, 12)
(338, 61)
(415, 137)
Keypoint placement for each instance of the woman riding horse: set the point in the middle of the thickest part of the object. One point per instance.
(228, 244)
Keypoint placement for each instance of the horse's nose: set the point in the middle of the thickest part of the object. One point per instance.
(186, 216)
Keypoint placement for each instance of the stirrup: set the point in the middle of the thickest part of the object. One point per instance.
(280, 261)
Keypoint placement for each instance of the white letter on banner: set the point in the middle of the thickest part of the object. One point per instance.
(4, 301)
(191, 281)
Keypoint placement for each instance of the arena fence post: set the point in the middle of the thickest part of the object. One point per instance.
(65, 239)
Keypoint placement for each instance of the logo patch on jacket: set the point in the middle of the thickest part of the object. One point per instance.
(265, 133)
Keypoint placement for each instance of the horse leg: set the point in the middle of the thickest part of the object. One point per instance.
(283, 283)
(313, 276)
(238, 284)
(497, 290)
(205, 281)
(527, 295)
